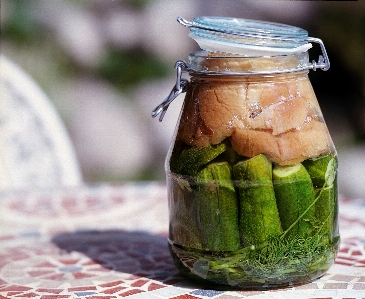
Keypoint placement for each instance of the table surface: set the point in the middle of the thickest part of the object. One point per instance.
(109, 241)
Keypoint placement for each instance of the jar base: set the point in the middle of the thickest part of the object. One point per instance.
(204, 268)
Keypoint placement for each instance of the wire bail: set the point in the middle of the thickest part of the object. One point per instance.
(323, 64)
(323, 60)
(180, 86)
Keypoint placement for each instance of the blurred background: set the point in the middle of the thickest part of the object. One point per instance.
(105, 64)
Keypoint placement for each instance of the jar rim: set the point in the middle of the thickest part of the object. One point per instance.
(203, 62)
(224, 55)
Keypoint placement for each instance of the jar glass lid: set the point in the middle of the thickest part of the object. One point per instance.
(246, 37)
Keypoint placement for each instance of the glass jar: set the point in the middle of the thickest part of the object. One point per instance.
(252, 169)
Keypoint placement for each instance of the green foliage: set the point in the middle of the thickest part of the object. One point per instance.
(125, 68)
(21, 26)
(138, 3)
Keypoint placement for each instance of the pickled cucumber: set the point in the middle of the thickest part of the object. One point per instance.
(295, 199)
(258, 215)
(323, 171)
(183, 215)
(192, 159)
(217, 208)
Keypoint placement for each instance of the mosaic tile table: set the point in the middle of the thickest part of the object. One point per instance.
(110, 242)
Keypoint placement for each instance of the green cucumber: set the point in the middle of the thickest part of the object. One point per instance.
(323, 172)
(324, 210)
(192, 159)
(258, 216)
(295, 199)
(183, 228)
(217, 208)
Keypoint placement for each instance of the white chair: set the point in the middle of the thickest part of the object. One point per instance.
(35, 150)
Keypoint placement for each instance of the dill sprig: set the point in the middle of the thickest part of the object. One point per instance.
(278, 259)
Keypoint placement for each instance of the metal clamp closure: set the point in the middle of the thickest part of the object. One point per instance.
(180, 86)
(323, 61)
